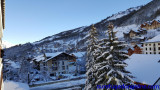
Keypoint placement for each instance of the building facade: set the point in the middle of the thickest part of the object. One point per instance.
(2, 26)
(151, 47)
(60, 64)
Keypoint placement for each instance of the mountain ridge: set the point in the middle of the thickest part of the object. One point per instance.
(75, 40)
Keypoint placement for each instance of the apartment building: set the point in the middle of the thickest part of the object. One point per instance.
(152, 46)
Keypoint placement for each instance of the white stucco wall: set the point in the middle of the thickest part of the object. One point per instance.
(150, 48)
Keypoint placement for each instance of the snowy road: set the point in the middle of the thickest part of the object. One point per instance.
(61, 85)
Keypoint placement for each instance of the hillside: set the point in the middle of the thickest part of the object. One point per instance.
(74, 39)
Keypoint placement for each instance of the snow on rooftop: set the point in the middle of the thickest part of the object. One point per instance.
(79, 54)
(52, 54)
(155, 39)
(39, 58)
(144, 67)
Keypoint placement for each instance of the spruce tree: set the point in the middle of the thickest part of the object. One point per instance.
(110, 65)
(91, 49)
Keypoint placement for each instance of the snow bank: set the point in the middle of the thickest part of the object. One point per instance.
(60, 85)
(10, 85)
(144, 67)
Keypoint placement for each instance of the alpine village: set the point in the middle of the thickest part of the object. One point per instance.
(121, 50)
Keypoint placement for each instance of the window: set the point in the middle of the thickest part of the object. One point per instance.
(55, 68)
(158, 48)
(63, 67)
(63, 72)
(53, 74)
(146, 49)
(158, 43)
(150, 53)
(62, 62)
(146, 44)
(154, 44)
(150, 48)
(149, 44)
(159, 52)
(146, 53)
(67, 66)
(154, 49)
(44, 64)
(54, 63)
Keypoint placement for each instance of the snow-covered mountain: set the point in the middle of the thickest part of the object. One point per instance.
(123, 13)
(76, 39)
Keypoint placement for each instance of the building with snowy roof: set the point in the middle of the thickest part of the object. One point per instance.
(135, 35)
(135, 50)
(144, 68)
(151, 24)
(56, 63)
(152, 46)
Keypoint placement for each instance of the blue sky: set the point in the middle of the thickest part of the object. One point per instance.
(32, 20)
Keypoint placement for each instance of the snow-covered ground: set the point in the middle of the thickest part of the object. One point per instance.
(10, 85)
(69, 76)
(60, 85)
(125, 29)
(144, 67)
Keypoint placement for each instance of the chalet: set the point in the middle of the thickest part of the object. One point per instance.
(136, 50)
(134, 34)
(151, 25)
(131, 34)
(56, 63)
(142, 31)
(2, 26)
(152, 46)
(130, 51)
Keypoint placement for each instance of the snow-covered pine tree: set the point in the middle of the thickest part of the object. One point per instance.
(110, 65)
(90, 83)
